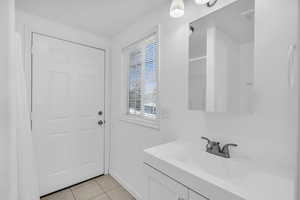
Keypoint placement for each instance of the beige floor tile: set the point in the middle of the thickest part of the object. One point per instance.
(87, 190)
(120, 194)
(101, 197)
(107, 183)
(62, 195)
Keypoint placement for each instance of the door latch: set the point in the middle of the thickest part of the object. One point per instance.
(101, 123)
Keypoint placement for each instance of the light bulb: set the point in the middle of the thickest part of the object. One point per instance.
(177, 8)
(202, 2)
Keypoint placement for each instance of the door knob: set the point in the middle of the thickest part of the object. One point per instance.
(100, 113)
(101, 122)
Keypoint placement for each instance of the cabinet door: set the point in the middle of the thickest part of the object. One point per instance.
(161, 187)
(195, 196)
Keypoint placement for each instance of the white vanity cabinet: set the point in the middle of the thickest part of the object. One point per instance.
(162, 187)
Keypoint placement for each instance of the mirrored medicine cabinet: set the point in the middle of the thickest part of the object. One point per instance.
(221, 59)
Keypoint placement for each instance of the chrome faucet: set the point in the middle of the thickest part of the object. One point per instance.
(215, 148)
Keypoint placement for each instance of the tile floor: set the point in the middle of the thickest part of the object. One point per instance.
(100, 188)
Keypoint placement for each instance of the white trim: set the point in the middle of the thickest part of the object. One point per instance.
(107, 127)
(126, 185)
(139, 120)
(153, 31)
(298, 60)
(28, 31)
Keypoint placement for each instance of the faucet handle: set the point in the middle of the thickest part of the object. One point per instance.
(212, 145)
(205, 138)
(209, 143)
(225, 149)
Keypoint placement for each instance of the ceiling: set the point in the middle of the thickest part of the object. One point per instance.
(102, 17)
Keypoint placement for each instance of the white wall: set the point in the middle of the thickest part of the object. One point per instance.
(246, 76)
(42, 25)
(6, 47)
(268, 136)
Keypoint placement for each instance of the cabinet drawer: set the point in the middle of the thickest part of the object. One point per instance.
(162, 187)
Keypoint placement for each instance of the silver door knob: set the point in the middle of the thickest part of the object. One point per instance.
(101, 122)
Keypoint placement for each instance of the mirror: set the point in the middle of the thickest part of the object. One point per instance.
(221, 59)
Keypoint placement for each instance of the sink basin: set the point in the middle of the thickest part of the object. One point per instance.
(222, 168)
(215, 177)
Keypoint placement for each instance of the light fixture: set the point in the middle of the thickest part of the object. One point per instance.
(177, 8)
(209, 3)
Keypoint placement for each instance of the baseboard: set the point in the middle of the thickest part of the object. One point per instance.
(125, 185)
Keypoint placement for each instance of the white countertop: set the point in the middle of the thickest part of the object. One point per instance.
(219, 178)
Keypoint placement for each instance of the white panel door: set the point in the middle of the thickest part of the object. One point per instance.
(67, 94)
(161, 187)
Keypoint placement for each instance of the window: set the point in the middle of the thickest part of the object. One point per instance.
(141, 60)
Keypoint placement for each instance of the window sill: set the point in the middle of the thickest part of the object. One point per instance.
(154, 124)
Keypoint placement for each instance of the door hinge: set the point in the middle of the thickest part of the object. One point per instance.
(31, 120)
(32, 47)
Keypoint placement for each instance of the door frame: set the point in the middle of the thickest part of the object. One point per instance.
(77, 39)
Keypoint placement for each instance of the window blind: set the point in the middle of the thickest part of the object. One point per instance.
(143, 78)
